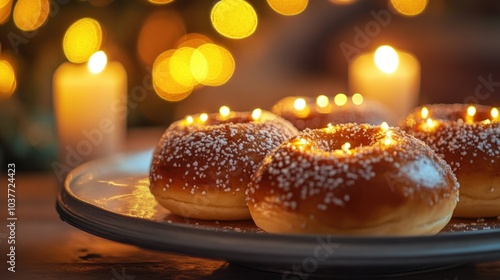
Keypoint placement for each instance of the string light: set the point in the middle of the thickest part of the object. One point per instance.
(322, 101)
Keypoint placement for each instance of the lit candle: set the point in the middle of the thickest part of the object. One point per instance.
(203, 117)
(256, 113)
(300, 108)
(494, 114)
(224, 112)
(471, 112)
(388, 76)
(90, 109)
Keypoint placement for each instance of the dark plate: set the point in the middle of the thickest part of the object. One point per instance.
(110, 198)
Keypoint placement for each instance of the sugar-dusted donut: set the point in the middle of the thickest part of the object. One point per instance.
(203, 163)
(353, 180)
(468, 138)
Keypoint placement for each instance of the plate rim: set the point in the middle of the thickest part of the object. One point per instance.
(263, 248)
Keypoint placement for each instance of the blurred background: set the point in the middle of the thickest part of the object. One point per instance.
(264, 51)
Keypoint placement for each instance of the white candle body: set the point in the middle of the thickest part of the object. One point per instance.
(399, 90)
(90, 111)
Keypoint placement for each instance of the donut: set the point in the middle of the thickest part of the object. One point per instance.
(308, 112)
(203, 163)
(468, 138)
(353, 179)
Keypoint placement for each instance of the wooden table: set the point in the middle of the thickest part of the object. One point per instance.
(48, 248)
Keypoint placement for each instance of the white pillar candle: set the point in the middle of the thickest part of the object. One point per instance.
(89, 109)
(394, 79)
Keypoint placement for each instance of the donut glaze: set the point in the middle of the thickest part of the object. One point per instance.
(471, 145)
(386, 183)
(201, 169)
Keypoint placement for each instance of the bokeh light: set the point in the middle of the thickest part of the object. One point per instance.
(357, 99)
(212, 65)
(192, 40)
(180, 67)
(340, 99)
(289, 7)
(409, 7)
(31, 14)
(160, 32)
(322, 101)
(82, 39)
(5, 10)
(164, 84)
(235, 19)
(7, 80)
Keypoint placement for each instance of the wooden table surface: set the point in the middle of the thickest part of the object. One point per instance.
(48, 248)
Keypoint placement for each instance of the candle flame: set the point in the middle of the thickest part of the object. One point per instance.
(388, 140)
(203, 117)
(299, 104)
(340, 99)
(384, 126)
(386, 59)
(97, 62)
(494, 113)
(322, 101)
(424, 113)
(430, 123)
(357, 99)
(346, 146)
(471, 111)
(256, 113)
(224, 111)
(189, 119)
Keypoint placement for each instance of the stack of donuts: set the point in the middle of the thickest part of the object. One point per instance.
(319, 172)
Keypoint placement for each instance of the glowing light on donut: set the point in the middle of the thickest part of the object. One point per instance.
(203, 117)
(424, 113)
(471, 111)
(346, 147)
(256, 113)
(494, 113)
(384, 126)
(299, 104)
(224, 111)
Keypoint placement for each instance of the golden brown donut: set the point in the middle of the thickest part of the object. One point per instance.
(468, 138)
(384, 182)
(203, 163)
(320, 111)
